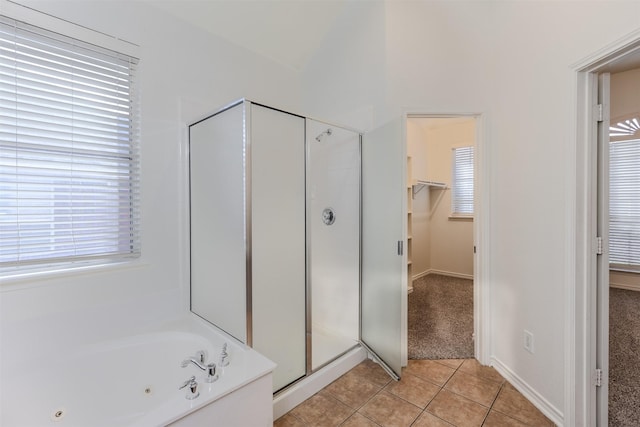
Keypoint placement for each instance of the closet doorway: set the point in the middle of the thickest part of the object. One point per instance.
(441, 205)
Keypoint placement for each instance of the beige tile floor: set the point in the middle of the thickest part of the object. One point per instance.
(431, 393)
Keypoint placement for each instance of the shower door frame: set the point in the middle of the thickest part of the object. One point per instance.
(309, 281)
(391, 141)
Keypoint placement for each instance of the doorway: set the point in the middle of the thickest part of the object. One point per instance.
(619, 216)
(441, 208)
(601, 96)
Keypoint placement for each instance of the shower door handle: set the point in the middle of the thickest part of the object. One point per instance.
(400, 247)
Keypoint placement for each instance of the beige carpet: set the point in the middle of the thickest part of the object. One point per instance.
(624, 358)
(441, 318)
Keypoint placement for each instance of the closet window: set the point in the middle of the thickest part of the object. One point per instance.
(462, 182)
(69, 161)
(624, 204)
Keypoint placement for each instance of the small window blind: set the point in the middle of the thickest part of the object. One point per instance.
(624, 204)
(462, 179)
(69, 158)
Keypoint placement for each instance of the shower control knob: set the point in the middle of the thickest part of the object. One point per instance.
(328, 216)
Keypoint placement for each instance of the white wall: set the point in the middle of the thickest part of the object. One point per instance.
(510, 61)
(451, 238)
(184, 74)
(625, 94)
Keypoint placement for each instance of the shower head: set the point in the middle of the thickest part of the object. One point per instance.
(322, 134)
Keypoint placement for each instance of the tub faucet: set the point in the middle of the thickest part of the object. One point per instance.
(210, 368)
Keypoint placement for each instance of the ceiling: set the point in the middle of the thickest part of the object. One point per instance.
(286, 31)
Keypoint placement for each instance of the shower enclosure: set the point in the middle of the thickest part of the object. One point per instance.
(275, 234)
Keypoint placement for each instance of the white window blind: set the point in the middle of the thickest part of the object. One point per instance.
(462, 185)
(69, 159)
(624, 204)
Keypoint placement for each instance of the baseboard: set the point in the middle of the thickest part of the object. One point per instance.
(553, 413)
(443, 273)
(307, 387)
(419, 275)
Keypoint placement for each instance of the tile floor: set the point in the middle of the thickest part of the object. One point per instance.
(440, 393)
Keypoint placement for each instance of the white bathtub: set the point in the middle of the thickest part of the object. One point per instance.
(133, 381)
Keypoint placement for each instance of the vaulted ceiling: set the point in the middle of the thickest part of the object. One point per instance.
(287, 31)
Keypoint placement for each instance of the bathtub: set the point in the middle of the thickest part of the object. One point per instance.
(133, 381)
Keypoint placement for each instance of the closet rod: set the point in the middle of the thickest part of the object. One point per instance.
(420, 184)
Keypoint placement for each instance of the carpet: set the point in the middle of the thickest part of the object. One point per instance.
(441, 318)
(624, 358)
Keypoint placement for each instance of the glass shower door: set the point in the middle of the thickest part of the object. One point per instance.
(383, 292)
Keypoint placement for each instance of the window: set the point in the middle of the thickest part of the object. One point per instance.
(624, 204)
(69, 163)
(462, 182)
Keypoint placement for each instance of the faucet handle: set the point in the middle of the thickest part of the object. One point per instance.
(212, 376)
(192, 391)
(200, 356)
(187, 382)
(224, 356)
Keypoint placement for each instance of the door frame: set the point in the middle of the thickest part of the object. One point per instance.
(481, 221)
(582, 323)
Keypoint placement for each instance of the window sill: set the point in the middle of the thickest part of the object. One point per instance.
(460, 217)
(624, 269)
(20, 279)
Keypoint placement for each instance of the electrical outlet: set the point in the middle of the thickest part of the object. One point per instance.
(528, 341)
